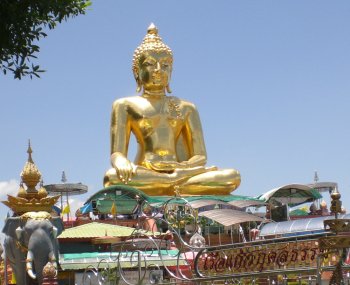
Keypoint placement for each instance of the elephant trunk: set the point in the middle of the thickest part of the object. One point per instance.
(29, 265)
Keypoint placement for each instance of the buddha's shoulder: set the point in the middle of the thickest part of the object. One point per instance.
(181, 102)
(127, 101)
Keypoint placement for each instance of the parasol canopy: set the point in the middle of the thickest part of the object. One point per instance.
(230, 217)
(291, 195)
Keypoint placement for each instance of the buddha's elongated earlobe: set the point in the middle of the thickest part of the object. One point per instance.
(138, 88)
(168, 88)
(138, 85)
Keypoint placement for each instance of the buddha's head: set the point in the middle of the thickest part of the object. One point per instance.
(152, 63)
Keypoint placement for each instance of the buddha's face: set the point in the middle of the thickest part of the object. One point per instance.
(155, 70)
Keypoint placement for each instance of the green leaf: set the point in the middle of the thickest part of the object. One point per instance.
(26, 24)
(87, 4)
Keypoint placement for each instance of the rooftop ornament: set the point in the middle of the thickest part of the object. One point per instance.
(29, 199)
(66, 189)
(340, 241)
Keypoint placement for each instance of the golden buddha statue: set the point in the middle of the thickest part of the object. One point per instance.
(171, 151)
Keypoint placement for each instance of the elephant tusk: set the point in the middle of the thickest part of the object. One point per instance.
(31, 273)
(54, 232)
(29, 265)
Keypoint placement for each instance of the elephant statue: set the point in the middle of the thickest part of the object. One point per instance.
(30, 243)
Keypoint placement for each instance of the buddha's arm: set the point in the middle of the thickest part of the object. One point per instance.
(120, 136)
(194, 140)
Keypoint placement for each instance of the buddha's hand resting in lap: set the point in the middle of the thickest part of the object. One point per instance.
(195, 162)
(166, 166)
(124, 167)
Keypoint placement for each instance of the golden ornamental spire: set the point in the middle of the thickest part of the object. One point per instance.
(21, 191)
(30, 200)
(42, 193)
(30, 151)
(30, 174)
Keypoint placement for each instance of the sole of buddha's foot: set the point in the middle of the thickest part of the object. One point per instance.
(187, 173)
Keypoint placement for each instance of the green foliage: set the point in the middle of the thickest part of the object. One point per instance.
(22, 24)
(110, 276)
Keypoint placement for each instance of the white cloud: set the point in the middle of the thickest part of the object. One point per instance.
(74, 204)
(8, 188)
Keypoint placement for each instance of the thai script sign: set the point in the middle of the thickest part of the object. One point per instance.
(258, 258)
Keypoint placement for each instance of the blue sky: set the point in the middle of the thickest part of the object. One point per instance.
(270, 80)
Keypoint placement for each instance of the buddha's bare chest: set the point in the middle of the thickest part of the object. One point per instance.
(157, 120)
(158, 124)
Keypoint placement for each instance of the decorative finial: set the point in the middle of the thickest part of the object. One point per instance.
(30, 174)
(152, 29)
(335, 203)
(64, 178)
(42, 193)
(316, 177)
(21, 191)
(30, 151)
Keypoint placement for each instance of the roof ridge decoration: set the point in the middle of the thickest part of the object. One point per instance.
(30, 199)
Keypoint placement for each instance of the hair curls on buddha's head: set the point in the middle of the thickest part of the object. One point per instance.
(151, 42)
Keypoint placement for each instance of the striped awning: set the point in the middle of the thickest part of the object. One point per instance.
(96, 230)
(247, 203)
(202, 203)
(230, 217)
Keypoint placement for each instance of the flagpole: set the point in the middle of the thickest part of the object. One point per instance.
(68, 206)
(113, 210)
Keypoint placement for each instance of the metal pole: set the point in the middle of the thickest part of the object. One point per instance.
(249, 235)
(61, 201)
(5, 267)
(318, 272)
(208, 227)
(68, 206)
(139, 264)
(239, 234)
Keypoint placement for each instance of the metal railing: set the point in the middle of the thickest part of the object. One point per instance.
(132, 266)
